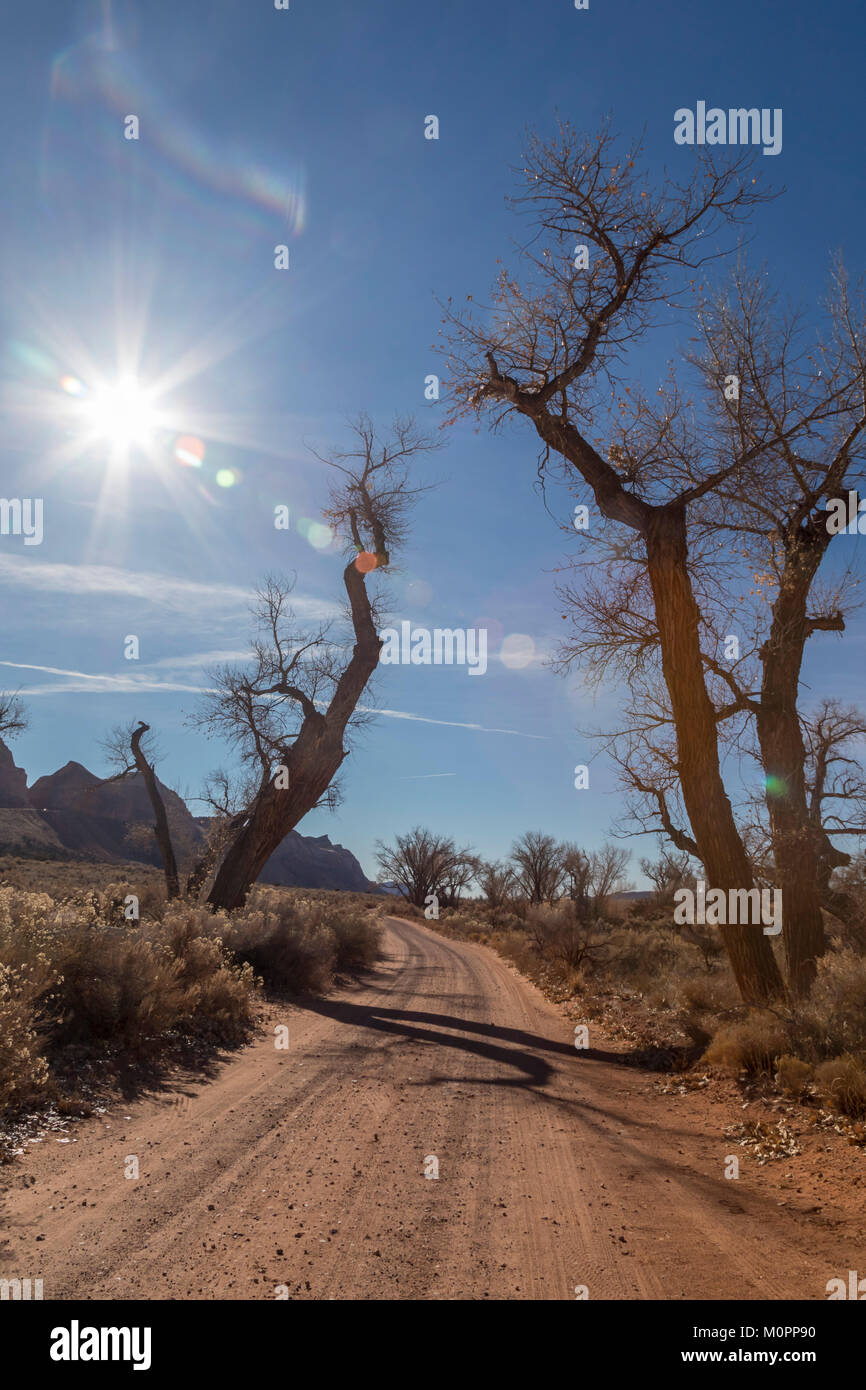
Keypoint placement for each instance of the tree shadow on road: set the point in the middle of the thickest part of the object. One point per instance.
(534, 1070)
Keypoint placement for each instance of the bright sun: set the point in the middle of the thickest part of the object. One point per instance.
(122, 414)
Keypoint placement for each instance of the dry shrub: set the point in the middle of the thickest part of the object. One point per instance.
(515, 946)
(561, 936)
(88, 976)
(75, 971)
(289, 955)
(394, 906)
(842, 1083)
(646, 958)
(298, 944)
(833, 1021)
(793, 1075)
(357, 936)
(751, 1045)
(116, 987)
(23, 1070)
(218, 993)
(702, 1000)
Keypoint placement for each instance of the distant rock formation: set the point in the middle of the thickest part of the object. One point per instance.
(13, 780)
(74, 814)
(311, 861)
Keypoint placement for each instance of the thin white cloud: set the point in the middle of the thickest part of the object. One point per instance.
(189, 596)
(79, 682)
(109, 687)
(426, 776)
(449, 723)
(197, 659)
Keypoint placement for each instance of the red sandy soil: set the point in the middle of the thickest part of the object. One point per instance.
(305, 1167)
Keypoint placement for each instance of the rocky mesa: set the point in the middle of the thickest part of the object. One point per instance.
(73, 814)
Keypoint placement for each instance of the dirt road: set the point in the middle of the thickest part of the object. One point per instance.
(305, 1167)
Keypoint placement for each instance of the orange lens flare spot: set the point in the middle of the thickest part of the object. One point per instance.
(189, 451)
(365, 562)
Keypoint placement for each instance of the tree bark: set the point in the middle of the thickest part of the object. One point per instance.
(712, 821)
(161, 827)
(709, 809)
(796, 846)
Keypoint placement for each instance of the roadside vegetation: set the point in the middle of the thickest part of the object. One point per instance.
(564, 919)
(83, 982)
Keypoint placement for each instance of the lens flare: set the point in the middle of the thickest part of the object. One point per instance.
(315, 533)
(517, 651)
(189, 450)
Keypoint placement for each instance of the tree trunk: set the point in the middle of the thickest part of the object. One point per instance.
(709, 809)
(161, 828)
(312, 764)
(796, 848)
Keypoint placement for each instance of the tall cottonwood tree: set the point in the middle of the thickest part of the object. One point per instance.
(607, 252)
(550, 343)
(802, 409)
(756, 545)
(286, 712)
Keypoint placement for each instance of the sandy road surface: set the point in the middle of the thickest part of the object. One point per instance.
(305, 1167)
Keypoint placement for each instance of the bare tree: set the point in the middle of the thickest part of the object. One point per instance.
(607, 867)
(287, 713)
(538, 866)
(577, 867)
(799, 418)
(550, 344)
(496, 881)
(784, 428)
(421, 864)
(13, 715)
(836, 789)
(131, 749)
(462, 870)
(672, 870)
(836, 781)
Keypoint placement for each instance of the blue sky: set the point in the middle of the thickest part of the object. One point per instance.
(305, 127)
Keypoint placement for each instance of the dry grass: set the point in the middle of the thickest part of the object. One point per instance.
(842, 1083)
(663, 988)
(77, 978)
(753, 1044)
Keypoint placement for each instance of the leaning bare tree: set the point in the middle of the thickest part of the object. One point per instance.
(131, 750)
(287, 713)
(607, 253)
